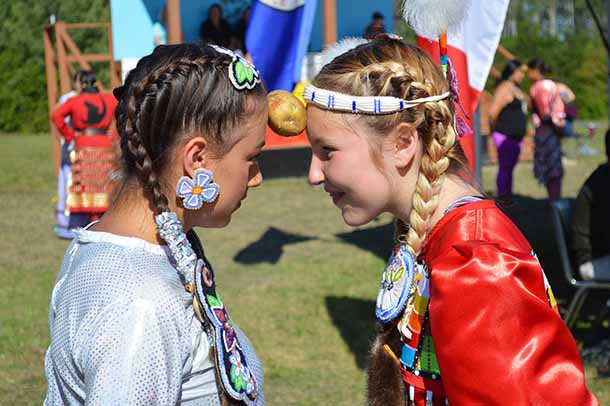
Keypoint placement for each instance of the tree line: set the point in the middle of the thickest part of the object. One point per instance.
(565, 36)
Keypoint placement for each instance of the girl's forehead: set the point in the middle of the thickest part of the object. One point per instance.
(323, 123)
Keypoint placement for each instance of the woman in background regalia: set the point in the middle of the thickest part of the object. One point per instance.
(91, 114)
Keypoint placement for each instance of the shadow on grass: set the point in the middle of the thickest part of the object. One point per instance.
(269, 247)
(378, 240)
(355, 320)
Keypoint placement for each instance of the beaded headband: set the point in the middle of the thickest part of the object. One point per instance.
(330, 100)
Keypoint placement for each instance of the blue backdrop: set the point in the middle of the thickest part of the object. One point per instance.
(132, 21)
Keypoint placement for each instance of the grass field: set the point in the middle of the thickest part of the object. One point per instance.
(295, 278)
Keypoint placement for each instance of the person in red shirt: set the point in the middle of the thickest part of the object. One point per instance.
(466, 315)
(91, 113)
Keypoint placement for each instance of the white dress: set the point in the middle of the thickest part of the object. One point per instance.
(124, 332)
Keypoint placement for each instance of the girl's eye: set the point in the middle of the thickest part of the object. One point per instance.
(323, 152)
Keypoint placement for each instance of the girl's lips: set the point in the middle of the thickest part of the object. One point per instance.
(336, 196)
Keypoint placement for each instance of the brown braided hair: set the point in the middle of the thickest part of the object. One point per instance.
(389, 67)
(177, 92)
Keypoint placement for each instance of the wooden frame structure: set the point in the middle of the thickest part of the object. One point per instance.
(174, 25)
(60, 53)
(330, 21)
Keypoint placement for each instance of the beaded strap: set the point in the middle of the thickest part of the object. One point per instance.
(232, 365)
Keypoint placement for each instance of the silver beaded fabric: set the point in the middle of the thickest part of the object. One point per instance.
(124, 332)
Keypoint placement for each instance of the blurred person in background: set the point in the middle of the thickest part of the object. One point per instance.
(66, 222)
(591, 223)
(94, 157)
(508, 114)
(215, 29)
(549, 121)
(376, 27)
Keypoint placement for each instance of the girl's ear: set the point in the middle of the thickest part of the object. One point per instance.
(405, 140)
(195, 154)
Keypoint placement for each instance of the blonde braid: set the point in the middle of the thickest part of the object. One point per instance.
(434, 164)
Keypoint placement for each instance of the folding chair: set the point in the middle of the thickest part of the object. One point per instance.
(562, 216)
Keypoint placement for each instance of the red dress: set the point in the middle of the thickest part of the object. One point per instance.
(94, 155)
(484, 327)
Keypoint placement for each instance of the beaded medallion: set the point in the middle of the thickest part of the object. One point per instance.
(396, 283)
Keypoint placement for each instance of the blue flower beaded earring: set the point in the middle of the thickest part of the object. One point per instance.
(197, 190)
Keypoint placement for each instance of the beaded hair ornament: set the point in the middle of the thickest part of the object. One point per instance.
(232, 364)
(242, 74)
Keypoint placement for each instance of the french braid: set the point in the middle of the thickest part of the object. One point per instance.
(167, 98)
(132, 136)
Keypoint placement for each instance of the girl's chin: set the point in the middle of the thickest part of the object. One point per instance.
(355, 218)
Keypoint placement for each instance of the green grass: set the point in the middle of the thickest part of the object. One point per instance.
(295, 278)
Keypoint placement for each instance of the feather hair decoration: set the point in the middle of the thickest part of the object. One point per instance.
(341, 47)
(431, 18)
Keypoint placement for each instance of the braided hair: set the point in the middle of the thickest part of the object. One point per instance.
(174, 93)
(178, 92)
(389, 67)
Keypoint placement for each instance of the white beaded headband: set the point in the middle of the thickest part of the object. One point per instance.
(330, 100)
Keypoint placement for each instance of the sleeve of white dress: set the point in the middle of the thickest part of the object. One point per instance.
(133, 356)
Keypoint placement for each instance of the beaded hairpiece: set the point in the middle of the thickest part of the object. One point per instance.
(242, 74)
(330, 100)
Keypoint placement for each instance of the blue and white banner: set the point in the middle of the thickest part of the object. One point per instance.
(277, 39)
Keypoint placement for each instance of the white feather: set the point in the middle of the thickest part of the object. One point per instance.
(430, 18)
(341, 47)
